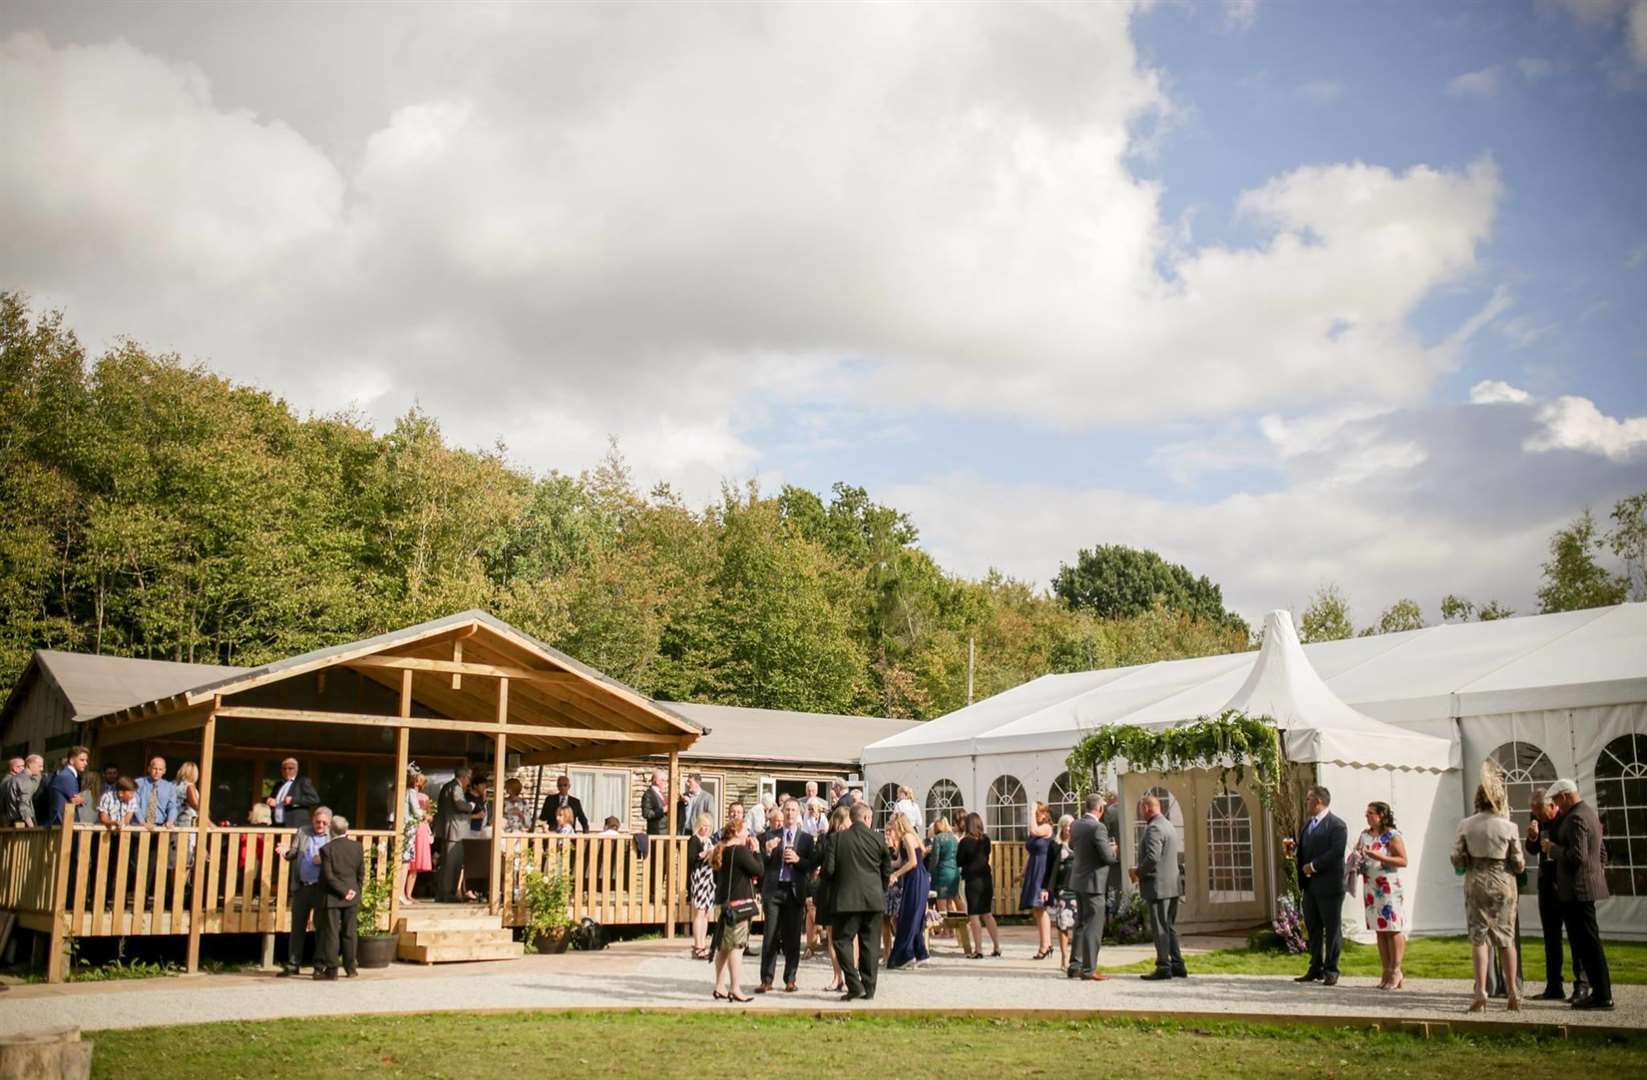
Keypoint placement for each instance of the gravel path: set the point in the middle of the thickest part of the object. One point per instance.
(660, 974)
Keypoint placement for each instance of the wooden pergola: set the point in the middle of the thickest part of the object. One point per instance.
(465, 675)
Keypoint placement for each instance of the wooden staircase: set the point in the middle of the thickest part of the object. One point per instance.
(448, 933)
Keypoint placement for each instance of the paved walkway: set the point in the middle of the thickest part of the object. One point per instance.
(661, 974)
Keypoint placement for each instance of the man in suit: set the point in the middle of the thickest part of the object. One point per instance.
(1546, 820)
(1112, 825)
(563, 797)
(1092, 856)
(294, 797)
(859, 863)
(63, 793)
(17, 793)
(655, 805)
(698, 801)
(1319, 851)
(454, 812)
(1161, 885)
(788, 853)
(839, 795)
(1581, 880)
(303, 852)
(342, 876)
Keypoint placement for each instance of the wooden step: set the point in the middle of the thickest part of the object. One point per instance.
(458, 937)
(447, 954)
(415, 924)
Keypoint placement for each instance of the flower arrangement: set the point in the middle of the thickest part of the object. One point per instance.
(1289, 925)
(1128, 921)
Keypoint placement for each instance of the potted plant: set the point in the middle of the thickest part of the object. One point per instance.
(376, 947)
(547, 920)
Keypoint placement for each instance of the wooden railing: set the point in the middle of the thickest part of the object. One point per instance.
(1006, 861)
(28, 869)
(609, 882)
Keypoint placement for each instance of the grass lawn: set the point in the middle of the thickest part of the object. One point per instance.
(629, 1044)
(1427, 958)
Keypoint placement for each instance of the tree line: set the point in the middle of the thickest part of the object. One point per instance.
(152, 508)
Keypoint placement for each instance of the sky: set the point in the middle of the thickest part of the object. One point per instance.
(1292, 293)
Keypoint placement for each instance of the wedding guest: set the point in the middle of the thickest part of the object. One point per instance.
(894, 896)
(909, 808)
(1545, 816)
(302, 850)
(563, 799)
(17, 793)
(419, 854)
(946, 874)
(294, 797)
(700, 885)
(1319, 853)
(517, 812)
(1092, 862)
(1032, 895)
(563, 822)
(342, 876)
(914, 884)
(736, 866)
(697, 801)
(789, 857)
(840, 819)
(978, 879)
(860, 863)
(655, 803)
(1581, 880)
(1063, 900)
(1488, 850)
(452, 811)
(1160, 883)
(1382, 853)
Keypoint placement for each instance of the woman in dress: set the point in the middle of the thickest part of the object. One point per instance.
(1032, 896)
(517, 813)
(735, 866)
(419, 853)
(946, 875)
(1383, 852)
(1488, 852)
(188, 807)
(840, 820)
(978, 882)
(1060, 901)
(563, 822)
(700, 888)
(894, 886)
(914, 883)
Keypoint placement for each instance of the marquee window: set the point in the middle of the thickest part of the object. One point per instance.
(1621, 800)
(1229, 850)
(1527, 770)
(1061, 798)
(1174, 813)
(1006, 810)
(884, 798)
(943, 798)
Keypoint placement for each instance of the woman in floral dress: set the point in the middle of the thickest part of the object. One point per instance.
(1382, 851)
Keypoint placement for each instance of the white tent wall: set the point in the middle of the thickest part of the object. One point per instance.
(919, 776)
(1424, 803)
(1572, 741)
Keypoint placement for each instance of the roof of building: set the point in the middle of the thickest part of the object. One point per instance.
(740, 734)
(94, 685)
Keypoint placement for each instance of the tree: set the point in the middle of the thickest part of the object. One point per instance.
(1573, 579)
(1629, 542)
(1118, 582)
(1491, 610)
(1455, 608)
(1404, 614)
(1327, 617)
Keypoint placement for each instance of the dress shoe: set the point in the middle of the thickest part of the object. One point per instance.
(1593, 1004)
(1580, 992)
(1074, 973)
(790, 988)
(1179, 973)
(352, 973)
(850, 996)
(1329, 980)
(1096, 976)
(1554, 993)
(325, 976)
(764, 988)
(871, 997)
(287, 973)
(1308, 976)
(1157, 975)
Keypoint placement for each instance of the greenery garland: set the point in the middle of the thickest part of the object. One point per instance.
(1231, 742)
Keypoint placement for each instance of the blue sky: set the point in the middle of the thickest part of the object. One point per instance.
(1295, 293)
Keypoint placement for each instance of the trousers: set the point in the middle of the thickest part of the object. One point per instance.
(783, 911)
(304, 900)
(337, 930)
(1323, 919)
(1089, 933)
(1580, 919)
(1163, 923)
(865, 927)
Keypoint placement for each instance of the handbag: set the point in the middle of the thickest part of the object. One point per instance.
(734, 912)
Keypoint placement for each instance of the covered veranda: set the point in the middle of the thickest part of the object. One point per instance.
(467, 688)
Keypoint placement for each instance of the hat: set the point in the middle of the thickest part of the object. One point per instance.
(1561, 787)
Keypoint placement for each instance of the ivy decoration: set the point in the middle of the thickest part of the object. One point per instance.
(1231, 742)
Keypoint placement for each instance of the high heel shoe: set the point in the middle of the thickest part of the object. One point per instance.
(1478, 1005)
(975, 956)
(1400, 980)
(1514, 1003)
(739, 1000)
(719, 996)
(997, 952)
(1042, 955)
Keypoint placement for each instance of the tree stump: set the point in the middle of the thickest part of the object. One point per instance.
(45, 1055)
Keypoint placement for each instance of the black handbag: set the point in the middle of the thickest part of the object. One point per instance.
(734, 912)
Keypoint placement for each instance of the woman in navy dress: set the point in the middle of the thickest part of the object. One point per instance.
(909, 945)
(1038, 847)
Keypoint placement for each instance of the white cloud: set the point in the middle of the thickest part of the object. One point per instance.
(1494, 392)
(1321, 91)
(1481, 84)
(1240, 14)
(1628, 18)
(1638, 32)
(1574, 423)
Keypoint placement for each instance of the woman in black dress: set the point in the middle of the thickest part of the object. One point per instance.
(736, 867)
(978, 885)
(840, 820)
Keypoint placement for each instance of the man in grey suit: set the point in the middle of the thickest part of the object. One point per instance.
(1091, 854)
(455, 811)
(858, 863)
(1160, 885)
(1112, 824)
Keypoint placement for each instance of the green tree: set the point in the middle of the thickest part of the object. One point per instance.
(1455, 608)
(1326, 617)
(1118, 582)
(1491, 610)
(1628, 539)
(1404, 614)
(1573, 578)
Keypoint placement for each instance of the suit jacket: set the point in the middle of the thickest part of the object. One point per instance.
(294, 848)
(655, 809)
(455, 811)
(799, 872)
(858, 864)
(1576, 848)
(1322, 848)
(1091, 855)
(342, 868)
(1158, 876)
(552, 803)
(65, 785)
(17, 798)
(304, 799)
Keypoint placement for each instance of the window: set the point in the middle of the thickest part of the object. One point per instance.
(1006, 810)
(1526, 770)
(1061, 797)
(604, 793)
(1621, 800)
(1229, 850)
(884, 798)
(1175, 814)
(943, 799)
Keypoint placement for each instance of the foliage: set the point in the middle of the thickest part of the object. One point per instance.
(1127, 920)
(1327, 618)
(1231, 743)
(1404, 614)
(371, 918)
(548, 897)
(1628, 541)
(1573, 579)
(1491, 610)
(1456, 608)
(1289, 926)
(1117, 582)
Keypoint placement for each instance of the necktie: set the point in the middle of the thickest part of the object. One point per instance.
(154, 803)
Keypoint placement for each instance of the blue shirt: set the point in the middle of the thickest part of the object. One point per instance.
(308, 865)
(165, 800)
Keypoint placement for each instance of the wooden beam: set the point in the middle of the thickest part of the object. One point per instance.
(458, 667)
(593, 753)
(151, 727)
(208, 750)
(56, 959)
(500, 752)
(477, 727)
(457, 658)
(403, 753)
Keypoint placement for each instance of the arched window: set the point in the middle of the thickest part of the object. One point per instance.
(1229, 850)
(884, 798)
(943, 798)
(1527, 769)
(1175, 814)
(1006, 811)
(1621, 800)
(1061, 798)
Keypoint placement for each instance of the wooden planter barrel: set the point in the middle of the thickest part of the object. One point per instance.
(45, 1055)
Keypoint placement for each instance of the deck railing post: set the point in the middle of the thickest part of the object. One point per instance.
(403, 758)
(500, 751)
(669, 867)
(197, 903)
(55, 959)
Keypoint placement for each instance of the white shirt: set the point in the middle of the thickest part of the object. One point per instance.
(280, 801)
(908, 809)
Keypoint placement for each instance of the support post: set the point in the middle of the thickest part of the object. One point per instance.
(56, 960)
(500, 752)
(669, 878)
(197, 903)
(267, 962)
(403, 757)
